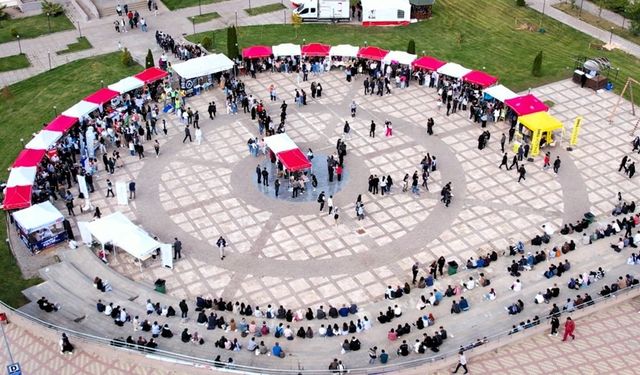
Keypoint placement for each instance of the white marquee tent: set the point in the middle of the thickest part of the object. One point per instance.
(126, 85)
(279, 143)
(345, 50)
(37, 217)
(400, 57)
(500, 92)
(22, 176)
(453, 70)
(203, 66)
(44, 140)
(286, 49)
(121, 232)
(81, 109)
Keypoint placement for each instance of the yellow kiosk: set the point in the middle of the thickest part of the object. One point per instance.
(540, 124)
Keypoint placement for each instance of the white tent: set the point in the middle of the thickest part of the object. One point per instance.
(81, 109)
(22, 176)
(279, 143)
(126, 85)
(453, 70)
(121, 232)
(345, 50)
(286, 49)
(500, 92)
(44, 140)
(39, 216)
(401, 57)
(203, 66)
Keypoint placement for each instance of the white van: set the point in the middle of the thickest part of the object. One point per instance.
(322, 10)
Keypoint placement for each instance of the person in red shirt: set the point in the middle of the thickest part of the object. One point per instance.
(569, 328)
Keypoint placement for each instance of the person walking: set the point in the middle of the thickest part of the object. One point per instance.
(623, 163)
(156, 147)
(504, 162)
(372, 129)
(276, 186)
(321, 200)
(556, 165)
(336, 216)
(462, 362)
(388, 129)
(631, 170)
(546, 161)
(503, 140)
(259, 174)
(414, 271)
(132, 189)
(354, 107)
(184, 309)
(514, 162)
(373, 355)
(187, 134)
(555, 324)
(212, 110)
(522, 173)
(110, 188)
(221, 243)
(177, 248)
(569, 328)
(346, 130)
(330, 204)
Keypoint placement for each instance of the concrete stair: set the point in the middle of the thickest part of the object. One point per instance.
(108, 8)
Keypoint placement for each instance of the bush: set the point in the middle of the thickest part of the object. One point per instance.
(411, 47)
(53, 9)
(6, 93)
(618, 6)
(207, 43)
(3, 12)
(125, 57)
(633, 12)
(149, 62)
(14, 32)
(536, 71)
(521, 3)
(232, 43)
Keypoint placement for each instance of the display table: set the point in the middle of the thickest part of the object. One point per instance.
(593, 82)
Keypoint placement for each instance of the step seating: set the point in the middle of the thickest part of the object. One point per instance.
(72, 308)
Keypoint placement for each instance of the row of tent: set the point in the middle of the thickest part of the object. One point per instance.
(24, 169)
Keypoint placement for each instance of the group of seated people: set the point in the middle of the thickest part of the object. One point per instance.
(194, 338)
(482, 261)
(578, 227)
(633, 259)
(117, 313)
(420, 346)
(557, 270)
(47, 306)
(623, 208)
(622, 283)
(166, 311)
(399, 291)
(392, 312)
(524, 325)
(547, 295)
(515, 308)
(350, 346)
(270, 313)
(458, 307)
(585, 279)
(335, 330)
(141, 344)
(101, 285)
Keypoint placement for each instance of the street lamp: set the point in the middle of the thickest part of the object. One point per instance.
(19, 45)
(102, 83)
(611, 35)
(49, 21)
(79, 29)
(193, 22)
(249, 4)
(580, 12)
(200, 6)
(49, 56)
(55, 111)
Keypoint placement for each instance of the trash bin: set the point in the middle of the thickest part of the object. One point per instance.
(160, 285)
(453, 267)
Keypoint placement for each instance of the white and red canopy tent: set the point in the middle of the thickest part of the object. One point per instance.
(29, 158)
(344, 50)
(81, 109)
(126, 85)
(17, 197)
(287, 152)
(286, 49)
(453, 70)
(117, 229)
(500, 92)
(22, 176)
(44, 140)
(400, 57)
(101, 96)
(203, 66)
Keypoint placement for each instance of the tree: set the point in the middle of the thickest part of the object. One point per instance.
(125, 57)
(296, 21)
(521, 3)
(232, 42)
(207, 43)
(49, 7)
(633, 12)
(3, 12)
(411, 48)
(536, 71)
(149, 61)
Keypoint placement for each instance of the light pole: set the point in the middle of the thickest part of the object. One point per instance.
(19, 45)
(544, 5)
(611, 35)
(49, 56)
(193, 22)
(200, 6)
(101, 83)
(580, 12)
(55, 111)
(49, 21)
(79, 29)
(249, 4)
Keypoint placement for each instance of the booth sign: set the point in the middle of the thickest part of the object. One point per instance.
(576, 129)
(535, 142)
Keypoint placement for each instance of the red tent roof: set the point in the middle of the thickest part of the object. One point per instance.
(294, 160)
(17, 197)
(316, 49)
(526, 105)
(151, 75)
(428, 62)
(61, 124)
(28, 158)
(101, 96)
(256, 52)
(480, 78)
(372, 53)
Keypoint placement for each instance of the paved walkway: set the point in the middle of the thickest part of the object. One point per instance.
(603, 35)
(102, 35)
(608, 15)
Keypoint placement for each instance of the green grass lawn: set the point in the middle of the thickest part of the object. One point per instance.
(205, 17)
(596, 21)
(29, 105)
(81, 44)
(34, 26)
(14, 62)
(177, 4)
(479, 34)
(254, 11)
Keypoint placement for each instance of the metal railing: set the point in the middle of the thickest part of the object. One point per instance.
(496, 339)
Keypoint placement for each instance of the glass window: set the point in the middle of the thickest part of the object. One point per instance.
(400, 14)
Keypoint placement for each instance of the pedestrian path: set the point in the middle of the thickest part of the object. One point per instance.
(603, 35)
